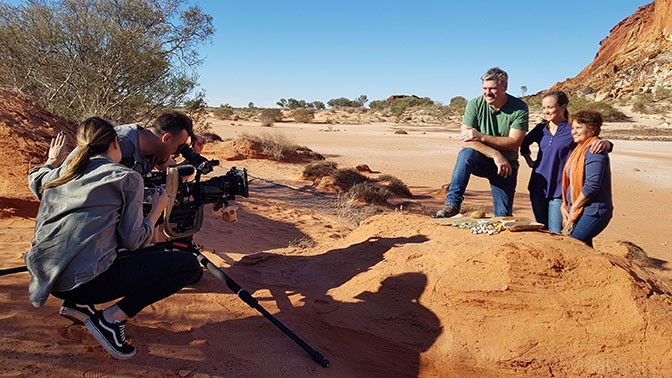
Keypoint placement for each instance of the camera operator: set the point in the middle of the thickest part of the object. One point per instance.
(90, 207)
(144, 149)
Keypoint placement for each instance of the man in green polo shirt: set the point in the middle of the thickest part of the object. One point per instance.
(493, 129)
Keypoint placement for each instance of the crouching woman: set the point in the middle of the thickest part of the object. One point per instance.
(90, 207)
(586, 183)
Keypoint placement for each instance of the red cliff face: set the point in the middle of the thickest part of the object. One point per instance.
(636, 57)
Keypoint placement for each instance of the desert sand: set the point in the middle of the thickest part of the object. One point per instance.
(398, 295)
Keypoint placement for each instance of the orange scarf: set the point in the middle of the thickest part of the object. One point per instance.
(573, 174)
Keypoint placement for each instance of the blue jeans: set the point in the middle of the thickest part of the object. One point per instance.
(547, 211)
(590, 226)
(471, 162)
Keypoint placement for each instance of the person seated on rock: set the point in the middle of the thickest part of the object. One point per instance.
(91, 207)
(587, 204)
(493, 127)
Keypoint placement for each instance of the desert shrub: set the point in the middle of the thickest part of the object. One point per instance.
(196, 109)
(457, 105)
(395, 185)
(275, 145)
(317, 170)
(400, 131)
(268, 116)
(346, 178)
(342, 102)
(646, 103)
(398, 106)
(609, 113)
(369, 192)
(304, 115)
(212, 137)
(225, 111)
(662, 93)
(378, 105)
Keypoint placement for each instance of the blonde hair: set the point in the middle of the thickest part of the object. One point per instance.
(94, 137)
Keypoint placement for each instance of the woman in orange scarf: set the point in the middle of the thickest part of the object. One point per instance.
(586, 182)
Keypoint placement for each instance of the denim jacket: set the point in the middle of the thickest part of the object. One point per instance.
(81, 224)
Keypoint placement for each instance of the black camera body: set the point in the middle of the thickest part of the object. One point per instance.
(186, 215)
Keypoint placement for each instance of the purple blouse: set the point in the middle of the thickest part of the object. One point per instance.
(546, 178)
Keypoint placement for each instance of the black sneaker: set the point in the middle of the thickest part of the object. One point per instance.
(76, 312)
(111, 336)
(448, 211)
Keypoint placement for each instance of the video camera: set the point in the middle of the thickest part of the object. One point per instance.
(186, 214)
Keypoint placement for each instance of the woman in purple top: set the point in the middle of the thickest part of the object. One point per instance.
(554, 137)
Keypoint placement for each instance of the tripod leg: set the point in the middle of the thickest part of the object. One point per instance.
(246, 297)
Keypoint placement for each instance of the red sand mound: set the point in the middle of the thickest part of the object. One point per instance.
(399, 296)
(25, 131)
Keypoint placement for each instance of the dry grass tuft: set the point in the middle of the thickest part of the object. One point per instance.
(395, 185)
(317, 170)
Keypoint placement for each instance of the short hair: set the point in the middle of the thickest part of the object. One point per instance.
(590, 119)
(496, 73)
(173, 122)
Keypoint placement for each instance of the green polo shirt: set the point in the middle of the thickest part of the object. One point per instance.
(513, 115)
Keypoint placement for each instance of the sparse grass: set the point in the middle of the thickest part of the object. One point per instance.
(369, 192)
(351, 212)
(275, 145)
(317, 170)
(303, 242)
(395, 185)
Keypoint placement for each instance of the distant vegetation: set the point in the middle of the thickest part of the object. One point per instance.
(576, 103)
(652, 103)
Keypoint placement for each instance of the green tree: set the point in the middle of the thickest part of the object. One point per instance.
(121, 59)
(457, 105)
(342, 102)
(362, 100)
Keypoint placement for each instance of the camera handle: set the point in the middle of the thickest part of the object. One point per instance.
(172, 184)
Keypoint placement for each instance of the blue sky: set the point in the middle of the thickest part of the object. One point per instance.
(316, 50)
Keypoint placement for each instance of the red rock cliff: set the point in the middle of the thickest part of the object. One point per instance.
(636, 57)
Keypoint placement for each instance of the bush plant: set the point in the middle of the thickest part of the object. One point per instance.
(303, 115)
(269, 116)
(346, 178)
(394, 185)
(318, 169)
(368, 192)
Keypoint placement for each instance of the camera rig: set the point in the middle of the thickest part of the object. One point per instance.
(184, 215)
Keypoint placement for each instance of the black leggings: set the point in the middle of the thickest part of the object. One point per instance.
(140, 279)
